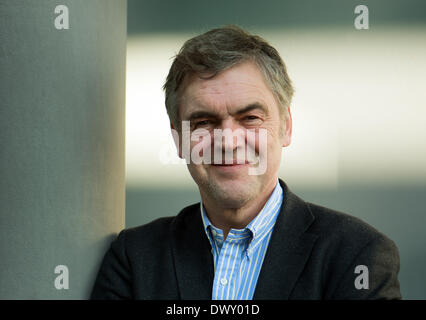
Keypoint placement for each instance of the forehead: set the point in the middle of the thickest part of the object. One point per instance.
(234, 88)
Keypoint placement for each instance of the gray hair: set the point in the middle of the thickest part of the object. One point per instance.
(219, 49)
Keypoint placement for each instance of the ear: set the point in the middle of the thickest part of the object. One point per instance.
(176, 139)
(286, 138)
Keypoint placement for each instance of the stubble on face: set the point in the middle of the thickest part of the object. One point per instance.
(229, 194)
(237, 86)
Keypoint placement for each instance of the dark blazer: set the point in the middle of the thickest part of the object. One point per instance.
(312, 254)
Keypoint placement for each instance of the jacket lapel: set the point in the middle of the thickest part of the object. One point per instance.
(286, 256)
(192, 255)
(288, 250)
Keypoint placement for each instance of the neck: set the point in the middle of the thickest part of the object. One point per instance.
(226, 218)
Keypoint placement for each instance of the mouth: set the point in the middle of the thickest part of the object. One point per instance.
(230, 166)
(233, 164)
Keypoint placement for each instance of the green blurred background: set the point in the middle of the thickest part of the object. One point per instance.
(359, 140)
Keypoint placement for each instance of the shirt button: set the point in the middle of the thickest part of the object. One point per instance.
(223, 281)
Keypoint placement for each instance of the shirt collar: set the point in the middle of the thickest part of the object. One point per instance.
(260, 225)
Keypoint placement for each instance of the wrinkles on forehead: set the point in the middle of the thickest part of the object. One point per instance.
(227, 93)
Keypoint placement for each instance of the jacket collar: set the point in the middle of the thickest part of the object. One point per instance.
(191, 251)
(287, 253)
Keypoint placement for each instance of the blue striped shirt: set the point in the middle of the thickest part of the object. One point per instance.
(238, 259)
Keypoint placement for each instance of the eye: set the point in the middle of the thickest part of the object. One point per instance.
(252, 120)
(202, 123)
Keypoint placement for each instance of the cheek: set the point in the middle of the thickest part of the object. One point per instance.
(263, 140)
(201, 147)
(197, 172)
(273, 149)
(252, 140)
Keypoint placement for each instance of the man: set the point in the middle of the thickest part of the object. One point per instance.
(250, 237)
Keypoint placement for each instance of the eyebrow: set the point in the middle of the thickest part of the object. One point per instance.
(253, 106)
(208, 114)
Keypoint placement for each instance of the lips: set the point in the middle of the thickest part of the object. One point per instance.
(235, 163)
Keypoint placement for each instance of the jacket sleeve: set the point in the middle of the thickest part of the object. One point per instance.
(113, 281)
(372, 274)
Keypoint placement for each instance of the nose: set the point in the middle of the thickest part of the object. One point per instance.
(232, 134)
(230, 140)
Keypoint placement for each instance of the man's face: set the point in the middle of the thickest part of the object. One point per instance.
(235, 99)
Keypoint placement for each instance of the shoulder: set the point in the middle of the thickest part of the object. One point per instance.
(331, 227)
(155, 232)
(343, 227)
(345, 241)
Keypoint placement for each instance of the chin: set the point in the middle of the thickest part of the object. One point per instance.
(231, 194)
